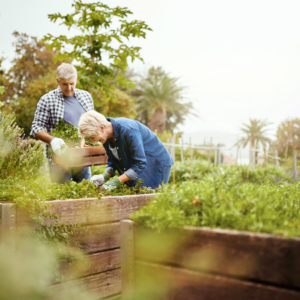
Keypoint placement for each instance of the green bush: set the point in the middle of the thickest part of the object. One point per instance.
(225, 199)
(19, 156)
(247, 173)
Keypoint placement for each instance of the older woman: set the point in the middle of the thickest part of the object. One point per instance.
(132, 149)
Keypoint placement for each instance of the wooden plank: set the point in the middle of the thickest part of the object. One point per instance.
(99, 262)
(103, 284)
(95, 238)
(91, 210)
(80, 161)
(97, 150)
(9, 225)
(260, 257)
(127, 258)
(161, 282)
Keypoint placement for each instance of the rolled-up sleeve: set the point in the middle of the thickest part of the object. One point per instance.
(41, 117)
(138, 159)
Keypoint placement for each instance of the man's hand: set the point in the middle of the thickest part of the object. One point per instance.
(56, 144)
(110, 185)
(98, 180)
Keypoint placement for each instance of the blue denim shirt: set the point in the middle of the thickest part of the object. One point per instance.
(142, 155)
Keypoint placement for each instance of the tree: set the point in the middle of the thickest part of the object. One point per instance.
(255, 134)
(32, 61)
(160, 101)
(32, 75)
(24, 106)
(288, 137)
(100, 49)
(122, 105)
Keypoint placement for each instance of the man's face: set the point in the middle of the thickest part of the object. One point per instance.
(67, 86)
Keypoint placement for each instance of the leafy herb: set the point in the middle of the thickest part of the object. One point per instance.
(225, 199)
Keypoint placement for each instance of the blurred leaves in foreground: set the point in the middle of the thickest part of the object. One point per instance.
(28, 273)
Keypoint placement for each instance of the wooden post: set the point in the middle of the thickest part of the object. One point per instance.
(182, 151)
(209, 151)
(295, 165)
(9, 225)
(215, 162)
(218, 155)
(173, 146)
(276, 158)
(127, 258)
(237, 151)
(191, 158)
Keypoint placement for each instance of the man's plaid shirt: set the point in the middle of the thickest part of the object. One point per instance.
(50, 109)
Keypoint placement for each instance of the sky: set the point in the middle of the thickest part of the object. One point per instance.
(237, 59)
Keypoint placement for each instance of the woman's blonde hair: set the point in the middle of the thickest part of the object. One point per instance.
(90, 122)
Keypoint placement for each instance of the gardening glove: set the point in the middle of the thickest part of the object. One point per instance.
(110, 185)
(98, 180)
(56, 145)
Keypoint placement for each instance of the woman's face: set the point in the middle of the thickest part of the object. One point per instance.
(100, 136)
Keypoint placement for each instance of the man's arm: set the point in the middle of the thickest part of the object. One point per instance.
(44, 136)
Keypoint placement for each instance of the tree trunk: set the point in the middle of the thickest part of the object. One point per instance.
(158, 121)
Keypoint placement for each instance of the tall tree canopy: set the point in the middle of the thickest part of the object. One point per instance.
(33, 74)
(160, 101)
(32, 60)
(255, 134)
(288, 137)
(102, 45)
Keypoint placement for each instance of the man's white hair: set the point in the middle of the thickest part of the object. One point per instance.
(66, 71)
(90, 122)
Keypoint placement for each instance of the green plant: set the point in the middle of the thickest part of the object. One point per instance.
(226, 199)
(252, 174)
(19, 156)
(69, 133)
(104, 32)
(124, 189)
(28, 272)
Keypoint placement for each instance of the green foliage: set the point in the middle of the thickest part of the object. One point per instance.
(225, 199)
(98, 170)
(69, 134)
(26, 273)
(104, 33)
(124, 189)
(1, 90)
(201, 168)
(160, 101)
(19, 156)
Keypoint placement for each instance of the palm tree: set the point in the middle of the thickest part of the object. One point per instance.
(160, 99)
(255, 134)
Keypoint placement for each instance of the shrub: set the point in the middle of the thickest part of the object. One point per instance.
(19, 156)
(225, 199)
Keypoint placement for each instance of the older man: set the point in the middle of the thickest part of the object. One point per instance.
(67, 103)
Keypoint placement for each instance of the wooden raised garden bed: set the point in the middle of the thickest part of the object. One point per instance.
(198, 263)
(82, 157)
(98, 237)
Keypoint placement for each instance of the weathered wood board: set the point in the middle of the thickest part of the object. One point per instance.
(90, 211)
(95, 238)
(259, 257)
(103, 284)
(98, 236)
(169, 283)
(82, 157)
(99, 262)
